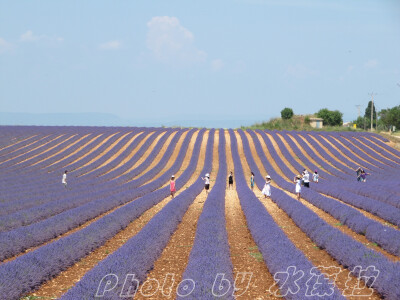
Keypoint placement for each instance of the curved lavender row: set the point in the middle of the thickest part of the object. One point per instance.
(22, 202)
(370, 152)
(104, 156)
(86, 159)
(357, 150)
(35, 214)
(340, 246)
(138, 254)
(315, 157)
(296, 150)
(44, 138)
(49, 260)
(210, 252)
(15, 157)
(355, 187)
(383, 210)
(343, 168)
(278, 251)
(386, 237)
(23, 166)
(382, 143)
(375, 135)
(117, 160)
(381, 151)
(18, 240)
(350, 154)
(81, 194)
(335, 153)
(29, 139)
(48, 179)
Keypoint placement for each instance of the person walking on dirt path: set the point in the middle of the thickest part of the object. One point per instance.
(297, 180)
(230, 180)
(315, 176)
(172, 186)
(306, 179)
(252, 180)
(64, 179)
(206, 182)
(267, 187)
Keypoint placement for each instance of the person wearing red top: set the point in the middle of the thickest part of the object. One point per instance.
(172, 186)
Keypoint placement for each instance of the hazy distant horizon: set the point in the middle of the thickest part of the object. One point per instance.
(104, 119)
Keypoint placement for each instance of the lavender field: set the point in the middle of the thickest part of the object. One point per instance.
(114, 231)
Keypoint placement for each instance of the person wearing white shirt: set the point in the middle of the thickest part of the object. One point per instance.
(306, 179)
(64, 179)
(206, 182)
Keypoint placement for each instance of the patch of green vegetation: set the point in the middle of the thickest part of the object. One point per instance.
(257, 255)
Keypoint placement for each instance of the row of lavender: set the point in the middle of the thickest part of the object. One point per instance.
(137, 255)
(41, 212)
(343, 248)
(385, 236)
(279, 253)
(31, 269)
(77, 210)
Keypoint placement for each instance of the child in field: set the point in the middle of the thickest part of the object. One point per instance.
(306, 179)
(230, 180)
(297, 180)
(267, 187)
(252, 180)
(206, 182)
(315, 176)
(172, 186)
(64, 179)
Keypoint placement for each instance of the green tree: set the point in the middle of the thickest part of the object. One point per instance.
(330, 118)
(287, 113)
(390, 117)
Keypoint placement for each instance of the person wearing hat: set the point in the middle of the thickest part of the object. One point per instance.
(206, 182)
(297, 180)
(267, 187)
(172, 186)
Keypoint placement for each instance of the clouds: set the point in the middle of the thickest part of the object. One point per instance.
(170, 42)
(217, 65)
(370, 64)
(5, 46)
(29, 37)
(300, 71)
(111, 45)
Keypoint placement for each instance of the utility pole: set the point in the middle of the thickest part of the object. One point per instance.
(358, 109)
(372, 109)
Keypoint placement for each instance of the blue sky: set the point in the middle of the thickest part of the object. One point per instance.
(227, 61)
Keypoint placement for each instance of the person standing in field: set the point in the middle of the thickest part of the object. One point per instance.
(206, 182)
(315, 176)
(363, 176)
(172, 186)
(64, 179)
(230, 180)
(306, 179)
(267, 187)
(297, 180)
(252, 180)
(359, 171)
